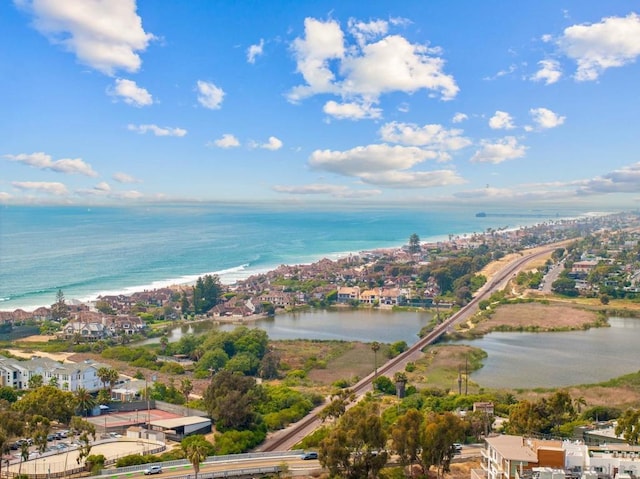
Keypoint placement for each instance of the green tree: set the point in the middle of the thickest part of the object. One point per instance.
(414, 244)
(338, 405)
(230, 399)
(86, 434)
(564, 286)
(108, 376)
(59, 309)
(85, 401)
(525, 418)
(8, 394)
(406, 436)
(270, 365)
(441, 431)
(196, 451)
(49, 402)
(629, 426)
(206, 293)
(185, 388)
(38, 428)
(11, 426)
(354, 448)
(36, 381)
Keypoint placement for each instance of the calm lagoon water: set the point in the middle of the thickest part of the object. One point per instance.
(515, 360)
(366, 326)
(527, 360)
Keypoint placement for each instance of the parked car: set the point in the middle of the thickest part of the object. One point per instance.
(457, 447)
(309, 455)
(153, 470)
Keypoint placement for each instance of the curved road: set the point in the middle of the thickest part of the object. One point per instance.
(287, 438)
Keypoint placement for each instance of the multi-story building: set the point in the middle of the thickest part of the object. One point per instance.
(66, 376)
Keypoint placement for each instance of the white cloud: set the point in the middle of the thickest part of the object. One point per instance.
(549, 72)
(43, 161)
(351, 110)
(413, 179)
(124, 178)
(623, 180)
(255, 51)
(394, 64)
(545, 118)
(157, 130)
(227, 141)
(613, 42)
(101, 189)
(499, 151)
(433, 136)
(501, 121)
(459, 117)
(273, 144)
(105, 35)
(366, 32)
(4, 196)
(501, 195)
(323, 189)
(209, 95)
(131, 93)
(360, 71)
(49, 188)
(363, 160)
(322, 42)
(126, 195)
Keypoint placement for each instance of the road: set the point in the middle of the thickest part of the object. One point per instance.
(287, 438)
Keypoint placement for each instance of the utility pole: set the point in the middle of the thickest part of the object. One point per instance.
(466, 374)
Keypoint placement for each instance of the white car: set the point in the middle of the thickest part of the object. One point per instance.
(152, 470)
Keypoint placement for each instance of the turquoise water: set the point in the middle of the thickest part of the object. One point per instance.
(91, 251)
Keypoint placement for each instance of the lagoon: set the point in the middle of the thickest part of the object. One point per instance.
(515, 360)
(530, 360)
(345, 325)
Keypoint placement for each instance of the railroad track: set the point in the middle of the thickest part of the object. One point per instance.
(286, 438)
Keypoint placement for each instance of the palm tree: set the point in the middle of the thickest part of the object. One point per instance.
(103, 374)
(85, 400)
(107, 376)
(375, 347)
(185, 388)
(196, 453)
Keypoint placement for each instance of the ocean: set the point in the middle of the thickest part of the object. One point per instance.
(92, 251)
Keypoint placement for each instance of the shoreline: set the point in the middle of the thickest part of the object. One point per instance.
(233, 275)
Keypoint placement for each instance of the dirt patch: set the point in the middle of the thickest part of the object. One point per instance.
(29, 354)
(537, 316)
(492, 268)
(37, 338)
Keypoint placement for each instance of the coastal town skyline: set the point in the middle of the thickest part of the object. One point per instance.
(308, 102)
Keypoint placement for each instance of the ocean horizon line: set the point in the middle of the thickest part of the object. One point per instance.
(114, 251)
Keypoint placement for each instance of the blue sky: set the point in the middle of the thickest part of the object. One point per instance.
(304, 102)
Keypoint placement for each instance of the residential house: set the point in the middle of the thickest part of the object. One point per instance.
(86, 331)
(65, 376)
(508, 457)
(347, 294)
(370, 296)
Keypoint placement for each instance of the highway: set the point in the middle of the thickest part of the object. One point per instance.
(287, 438)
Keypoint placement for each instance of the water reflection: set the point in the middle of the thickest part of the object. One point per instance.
(515, 360)
(347, 325)
(528, 360)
